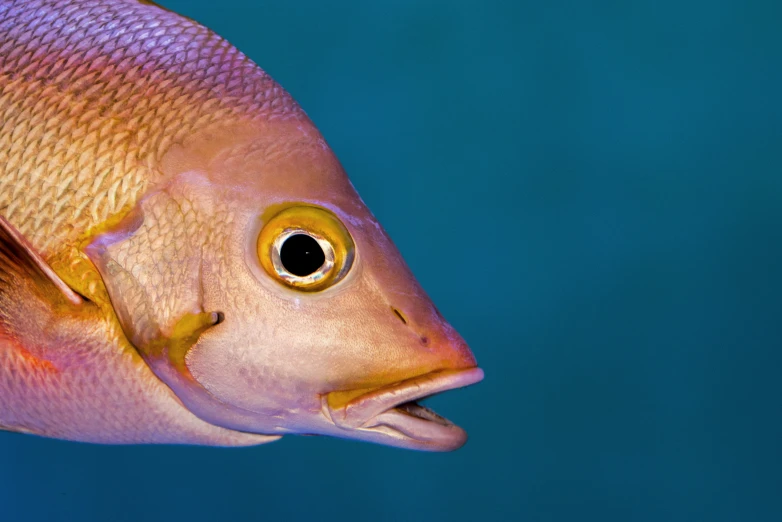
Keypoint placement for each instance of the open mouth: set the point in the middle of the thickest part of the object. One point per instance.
(392, 414)
(419, 411)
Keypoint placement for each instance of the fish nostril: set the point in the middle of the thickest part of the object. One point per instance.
(423, 339)
(400, 315)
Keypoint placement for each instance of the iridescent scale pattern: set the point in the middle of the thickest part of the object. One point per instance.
(94, 92)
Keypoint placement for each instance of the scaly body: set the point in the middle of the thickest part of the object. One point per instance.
(92, 95)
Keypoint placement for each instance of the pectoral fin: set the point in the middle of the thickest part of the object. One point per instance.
(21, 267)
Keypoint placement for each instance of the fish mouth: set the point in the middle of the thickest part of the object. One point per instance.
(392, 415)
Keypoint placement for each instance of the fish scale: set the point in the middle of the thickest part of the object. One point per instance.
(93, 93)
(85, 396)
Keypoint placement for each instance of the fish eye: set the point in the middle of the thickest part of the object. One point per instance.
(303, 255)
(305, 247)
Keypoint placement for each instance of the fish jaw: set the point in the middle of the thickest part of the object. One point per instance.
(390, 414)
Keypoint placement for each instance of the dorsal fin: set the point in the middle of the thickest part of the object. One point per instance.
(20, 261)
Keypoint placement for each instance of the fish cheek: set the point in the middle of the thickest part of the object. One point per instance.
(279, 348)
(151, 265)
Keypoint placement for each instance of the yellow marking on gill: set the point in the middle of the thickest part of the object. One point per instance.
(74, 267)
(183, 336)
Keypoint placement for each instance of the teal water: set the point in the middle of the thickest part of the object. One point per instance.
(592, 194)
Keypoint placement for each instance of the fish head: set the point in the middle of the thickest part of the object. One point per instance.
(322, 329)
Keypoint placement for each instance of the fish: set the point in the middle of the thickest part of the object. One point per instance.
(183, 259)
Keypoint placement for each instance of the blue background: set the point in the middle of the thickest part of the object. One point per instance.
(592, 194)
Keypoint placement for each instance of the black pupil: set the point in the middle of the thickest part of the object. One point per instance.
(301, 255)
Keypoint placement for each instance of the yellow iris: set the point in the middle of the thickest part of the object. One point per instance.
(322, 232)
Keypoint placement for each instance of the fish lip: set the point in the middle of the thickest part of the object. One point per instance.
(378, 411)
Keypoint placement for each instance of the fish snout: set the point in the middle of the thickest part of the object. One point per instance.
(433, 334)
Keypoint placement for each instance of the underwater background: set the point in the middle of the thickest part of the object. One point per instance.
(592, 194)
